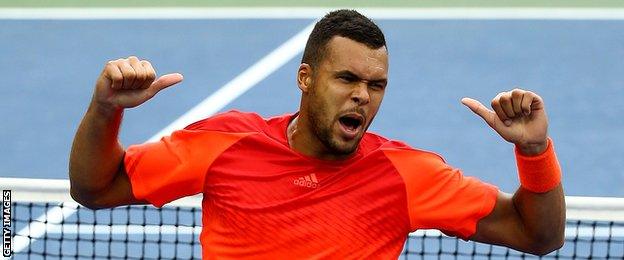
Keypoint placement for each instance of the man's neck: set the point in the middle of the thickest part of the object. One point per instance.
(301, 139)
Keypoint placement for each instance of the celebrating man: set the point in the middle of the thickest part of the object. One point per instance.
(316, 184)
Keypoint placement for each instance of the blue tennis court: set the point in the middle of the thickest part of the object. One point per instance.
(49, 68)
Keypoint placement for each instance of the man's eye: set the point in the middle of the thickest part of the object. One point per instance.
(347, 78)
(377, 86)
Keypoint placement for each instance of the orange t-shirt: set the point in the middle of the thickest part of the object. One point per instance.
(265, 200)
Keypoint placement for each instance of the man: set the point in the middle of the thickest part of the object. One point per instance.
(315, 184)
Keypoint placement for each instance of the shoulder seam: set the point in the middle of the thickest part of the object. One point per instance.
(407, 208)
(246, 134)
(416, 150)
(223, 131)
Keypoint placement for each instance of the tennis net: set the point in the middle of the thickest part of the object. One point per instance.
(46, 223)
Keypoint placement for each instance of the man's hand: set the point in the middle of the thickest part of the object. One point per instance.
(519, 117)
(126, 83)
(96, 171)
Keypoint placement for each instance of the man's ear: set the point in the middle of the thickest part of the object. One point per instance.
(304, 77)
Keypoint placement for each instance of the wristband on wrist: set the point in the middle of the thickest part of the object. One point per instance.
(540, 173)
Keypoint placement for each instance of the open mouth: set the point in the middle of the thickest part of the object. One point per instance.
(351, 124)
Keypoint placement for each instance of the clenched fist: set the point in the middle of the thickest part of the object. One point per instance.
(518, 116)
(126, 83)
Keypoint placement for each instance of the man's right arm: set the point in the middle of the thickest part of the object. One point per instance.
(96, 170)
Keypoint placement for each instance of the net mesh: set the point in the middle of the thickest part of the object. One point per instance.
(67, 230)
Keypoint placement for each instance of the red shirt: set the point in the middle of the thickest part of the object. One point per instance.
(264, 200)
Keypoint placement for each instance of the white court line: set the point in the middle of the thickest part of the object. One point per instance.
(446, 13)
(243, 82)
(226, 94)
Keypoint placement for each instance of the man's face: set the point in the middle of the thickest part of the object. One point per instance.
(345, 93)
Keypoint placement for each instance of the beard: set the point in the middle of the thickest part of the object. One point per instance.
(322, 127)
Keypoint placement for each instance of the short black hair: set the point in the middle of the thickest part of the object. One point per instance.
(346, 23)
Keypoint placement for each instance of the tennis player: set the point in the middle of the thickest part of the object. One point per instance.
(315, 183)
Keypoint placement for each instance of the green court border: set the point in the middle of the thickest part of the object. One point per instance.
(313, 3)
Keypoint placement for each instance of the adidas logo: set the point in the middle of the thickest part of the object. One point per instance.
(309, 181)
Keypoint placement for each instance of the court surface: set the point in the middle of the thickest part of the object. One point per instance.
(48, 68)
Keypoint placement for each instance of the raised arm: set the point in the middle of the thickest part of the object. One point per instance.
(533, 219)
(96, 172)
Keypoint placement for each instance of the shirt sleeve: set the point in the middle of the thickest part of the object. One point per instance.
(175, 166)
(440, 196)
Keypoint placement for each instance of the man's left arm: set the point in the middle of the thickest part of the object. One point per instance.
(533, 218)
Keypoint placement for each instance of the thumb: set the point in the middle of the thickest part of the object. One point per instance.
(488, 115)
(165, 81)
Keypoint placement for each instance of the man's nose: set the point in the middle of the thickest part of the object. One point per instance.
(360, 93)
